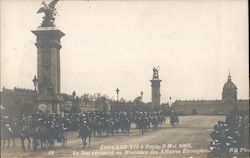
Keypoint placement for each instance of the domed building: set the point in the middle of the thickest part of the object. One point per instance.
(209, 107)
(229, 93)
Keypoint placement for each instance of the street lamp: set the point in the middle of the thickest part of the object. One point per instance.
(141, 95)
(74, 94)
(35, 81)
(170, 101)
(117, 93)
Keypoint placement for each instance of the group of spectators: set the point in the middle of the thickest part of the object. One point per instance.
(230, 138)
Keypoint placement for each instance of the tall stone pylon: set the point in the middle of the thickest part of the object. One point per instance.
(155, 84)
(48, 60)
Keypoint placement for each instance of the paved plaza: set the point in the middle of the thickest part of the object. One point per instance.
(192, 132)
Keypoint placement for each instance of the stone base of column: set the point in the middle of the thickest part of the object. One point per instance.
(49, 104)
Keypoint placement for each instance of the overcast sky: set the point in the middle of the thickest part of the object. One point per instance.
(112, 44)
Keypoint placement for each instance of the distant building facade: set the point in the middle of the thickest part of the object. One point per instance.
(18, 100)
(208, 107)
(23, 101)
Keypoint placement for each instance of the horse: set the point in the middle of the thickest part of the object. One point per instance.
(97, 126)
(117, 124)
(48, 134)
(40, 133)
(174, 119)
(25, 134)
(7, 134)
(84, 133)
(155, 122)
(125, 125)
(147, 124)
(142, 124)
(109, 126)
(161, 119)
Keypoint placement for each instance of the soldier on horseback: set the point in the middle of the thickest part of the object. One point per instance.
(174, 119)
(84, 132)
(7, 131)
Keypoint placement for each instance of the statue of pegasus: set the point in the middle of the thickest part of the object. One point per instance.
(50, 11)
(156, 72)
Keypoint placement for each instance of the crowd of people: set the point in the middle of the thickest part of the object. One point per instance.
(231, 137)
(45, 128)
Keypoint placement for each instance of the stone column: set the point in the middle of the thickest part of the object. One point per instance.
(156, 95)
(48, 65)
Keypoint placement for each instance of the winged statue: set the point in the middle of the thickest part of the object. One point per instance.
(156, 72)
(50, 11)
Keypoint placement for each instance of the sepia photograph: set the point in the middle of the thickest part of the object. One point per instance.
(124, 79)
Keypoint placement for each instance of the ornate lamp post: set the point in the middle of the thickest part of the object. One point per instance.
(35, 81)
(117, 93)
(141, 95)
(74, 94)
(74, 101)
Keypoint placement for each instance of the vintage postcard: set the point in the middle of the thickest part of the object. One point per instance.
(136, 79)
